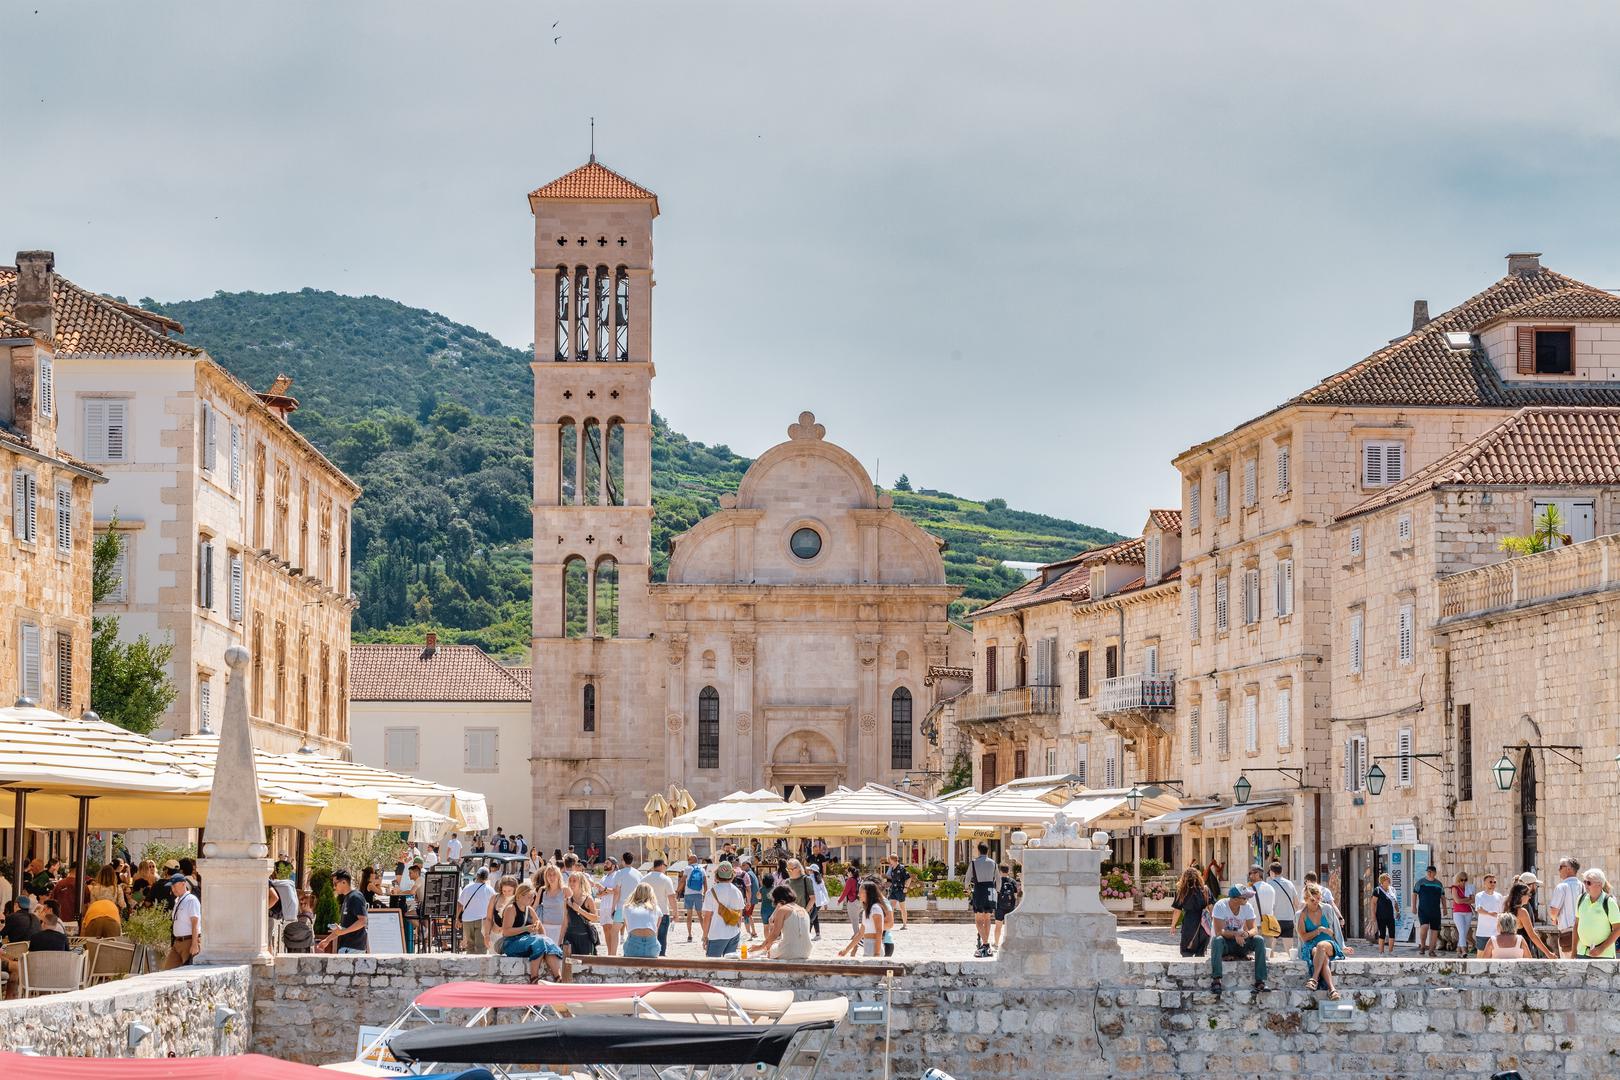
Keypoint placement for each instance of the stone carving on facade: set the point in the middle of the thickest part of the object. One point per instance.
(674, 723)
(807, 428)
(867, 649)
(1062, 833)
(938, 652)
(745, 723)
(742, 650)
(677, 649)
(868, 723)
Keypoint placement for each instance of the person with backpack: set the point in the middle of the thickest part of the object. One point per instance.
(1597, 918)
(982, 885)
(472, 906)
(693, 885)
(819, 885)
(1007, 893)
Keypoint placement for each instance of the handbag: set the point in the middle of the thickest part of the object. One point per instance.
(1270, 927)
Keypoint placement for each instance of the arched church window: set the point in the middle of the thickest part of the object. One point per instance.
(615, 462)
(582, 313)
(607, 597)
(576, 598)
(590, 472)
(562, 313)
(587, 707)
(567, 462)
(604, 322)
(709, 728)
(621, 320)
(900, 729)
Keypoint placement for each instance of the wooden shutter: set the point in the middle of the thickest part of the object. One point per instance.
(1355, 643)
(30, 661)
(64, 672)
(1350, 764)
(1223, 726)
(1221, 610)
(1282, 470)
(1285, 587)
(1527, 350)
(205, 697)
(1251, 483)
(236, 458)
(1394, 462)
(1194, 507)
(1082, 678)
(47, 387)
(64, 519)
(1284, 719)
(33, 508)
(117, 426)
(1403, 748)
(19, 505)
(1192, 611)
(1405, 641)
(236, 588)
(1082, 758)
(1251, 723)
(1372, 465)
(210, 447)
(1355, 541)
(119, 594)
(1043, 661)
(990, 669)
(1195, 733)
(1150, 660)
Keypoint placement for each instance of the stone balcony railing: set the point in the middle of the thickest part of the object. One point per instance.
(1139, 691)
(1007, 704)
(1547, 575)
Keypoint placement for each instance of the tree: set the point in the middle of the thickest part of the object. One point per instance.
(903, 484)
(129, 681)
(1547, 533)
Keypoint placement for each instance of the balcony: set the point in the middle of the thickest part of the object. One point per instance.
(1530, 579)
(1134, 704)
(1000, 705)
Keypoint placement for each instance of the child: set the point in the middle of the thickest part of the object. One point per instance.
(1384, 897)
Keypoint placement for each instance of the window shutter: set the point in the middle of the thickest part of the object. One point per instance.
(64, 520)
(1150, 660)
(95, 429)
(1195, 734)
(205, 695)
(1221, 612)
(119, 594)
(1251, 596)
(1405, 644)
(210, 447)
(1044, 649)
(1350, 764)
(64, 672)
(1284, 719)
(1194, 505)
(1152, 558)
(33, 508)
(1285, 587)
(1223, 485)
(1082, 754)
(1192, 612)
(19, 505)
(1282, 470)
(1223, 726)
(1251, 723)
(1251, 486)
(1527, 350)
(1394, 462)
(47, 388)
(1082, 675)
(1361, 762)
(1372, 465)
(117, 426)
(1403, 527)
(236, 458)
(1403, 748)
(30, 661)
(1355, 643)
(1111, 763)
(1355, 541)
(236, 588)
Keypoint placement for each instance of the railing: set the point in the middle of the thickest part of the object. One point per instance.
(1143, 690)
(1547, 575)
(1002, 704)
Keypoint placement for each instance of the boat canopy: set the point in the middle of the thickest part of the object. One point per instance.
(488, 995)
(603, 1040)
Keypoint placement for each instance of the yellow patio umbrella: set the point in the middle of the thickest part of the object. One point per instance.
(657, 811)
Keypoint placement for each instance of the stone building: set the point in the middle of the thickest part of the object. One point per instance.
(236, 529)
(46, 540)
(790, 643)
(447, 713)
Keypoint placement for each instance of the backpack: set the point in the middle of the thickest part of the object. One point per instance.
(694, 879)
(1007, 899)
(297, 937)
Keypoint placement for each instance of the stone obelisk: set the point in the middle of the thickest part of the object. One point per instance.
(235, 866)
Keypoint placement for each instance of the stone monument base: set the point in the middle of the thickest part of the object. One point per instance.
(1060, 930)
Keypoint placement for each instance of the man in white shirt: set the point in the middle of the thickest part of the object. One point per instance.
(1561, 907)
(473, 904)
(454, 847)
(722, 914)
(663, 891)
(1288, 897)
(1264, 896)
(1327, 893)
(1488, 904)
(187, 927)
(1236, 937)
(616, 889)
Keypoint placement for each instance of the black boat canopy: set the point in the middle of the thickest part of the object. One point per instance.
(601, 1040)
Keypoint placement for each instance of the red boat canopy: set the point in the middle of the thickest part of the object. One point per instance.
(242, 1067)
(488, 995)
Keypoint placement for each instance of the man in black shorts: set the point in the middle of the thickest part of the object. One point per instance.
(982, 883)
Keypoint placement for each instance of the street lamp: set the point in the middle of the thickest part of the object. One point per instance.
(1503, 772)
(1375, 779)
(1133, 798)
(1241, 789)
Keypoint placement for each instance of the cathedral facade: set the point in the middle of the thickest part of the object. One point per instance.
(792, 641)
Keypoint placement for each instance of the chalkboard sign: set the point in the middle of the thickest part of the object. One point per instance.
(385, 930)
(441, 893)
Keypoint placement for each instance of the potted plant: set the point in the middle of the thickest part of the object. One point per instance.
(950, 896)
(1158, 894)
(149, 928)
(1118, 891)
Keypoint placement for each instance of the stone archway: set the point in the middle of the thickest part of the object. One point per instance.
(805, 758)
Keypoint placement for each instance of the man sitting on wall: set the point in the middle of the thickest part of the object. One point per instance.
(1236, 937)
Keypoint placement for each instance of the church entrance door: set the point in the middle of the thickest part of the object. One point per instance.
(587, 828)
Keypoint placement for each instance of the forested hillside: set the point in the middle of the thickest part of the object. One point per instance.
(432, 419)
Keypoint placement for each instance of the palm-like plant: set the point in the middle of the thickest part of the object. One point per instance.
(1548, 533)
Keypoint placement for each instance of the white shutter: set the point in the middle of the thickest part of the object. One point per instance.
(1194, 504)
(1355, 643)
(1284, 719)
(95, 429)
(19, 505)
(47, 384)
(482, 747)
(1223, 491)
(1044, 652)
(1355, 541)
(1350, 764)
(236, 588)
(117, 429)
(400, 748)
(1251, 596)
(1082, 754)
(1193, 619)
(1251, 485)
(1221, 611)
(1223, 727)
(64, 519)
(119, 594)
(1403, 527)
(1151, 547)
(236, 458)
(1111, 763)
(1051, 761)
(1382, 463)
(1282, 470)
(1403, 763)
(1195, 734)
(1405, 645)
(1251, 723)
(1362, 762)
(210, 443)
(1394, 462)
(1285, 587)
(1150, 660)
(30, 661)
(205, 694)
(33, 508)
(205, 574)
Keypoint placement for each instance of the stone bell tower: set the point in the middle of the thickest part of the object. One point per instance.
(592, 503)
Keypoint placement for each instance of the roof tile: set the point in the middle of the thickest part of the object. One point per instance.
(445, 673)
(592, 180)
(88, 324)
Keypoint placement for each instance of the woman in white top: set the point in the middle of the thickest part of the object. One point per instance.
(787, 935)
(641, 915)
(1488, 904)
(869, 939)
(505, 889)
(1507, 944)
(552, 902)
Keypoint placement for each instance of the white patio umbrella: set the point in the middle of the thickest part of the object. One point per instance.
(751, 827)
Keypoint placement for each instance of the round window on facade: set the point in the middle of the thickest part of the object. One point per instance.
(805, 543)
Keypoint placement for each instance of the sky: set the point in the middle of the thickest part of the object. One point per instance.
(1029, 251)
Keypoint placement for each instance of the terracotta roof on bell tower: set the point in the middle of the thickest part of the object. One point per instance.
(593, 180)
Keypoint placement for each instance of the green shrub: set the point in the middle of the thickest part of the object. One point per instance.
(1155, 868)
(950, 890)
(327, 911)
(149, 926)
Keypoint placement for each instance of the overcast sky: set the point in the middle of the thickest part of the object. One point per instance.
(1017, 250)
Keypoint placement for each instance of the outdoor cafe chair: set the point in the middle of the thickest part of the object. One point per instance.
(51, 972)
(112, 959)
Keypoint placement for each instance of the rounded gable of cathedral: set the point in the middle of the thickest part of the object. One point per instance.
(786, 468)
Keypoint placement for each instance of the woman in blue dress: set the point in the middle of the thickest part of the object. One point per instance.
(1321, 940)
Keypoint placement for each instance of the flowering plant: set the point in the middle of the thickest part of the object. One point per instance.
(1161, 889)
(1117, 885)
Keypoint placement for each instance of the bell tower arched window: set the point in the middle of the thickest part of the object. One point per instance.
(605, 608)
(587, 707)
(709, 728)
(604, 314)
(567, 462)
(562, 312)
(582, 313)
(900, 729)
(621, 318)
(576, 599)
(590, 473)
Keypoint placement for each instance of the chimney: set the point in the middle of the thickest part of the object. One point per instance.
(1420, 314)
(36, 276)
(432, 646)
(1522, 263)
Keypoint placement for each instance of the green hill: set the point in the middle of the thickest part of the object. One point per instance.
(432, 418)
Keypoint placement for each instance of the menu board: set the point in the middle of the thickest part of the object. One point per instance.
(385, 930)
(441, 892)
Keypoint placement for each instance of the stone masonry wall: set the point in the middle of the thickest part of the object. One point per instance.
(177, 1005)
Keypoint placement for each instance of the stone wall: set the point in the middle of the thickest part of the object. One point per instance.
(179, 1006)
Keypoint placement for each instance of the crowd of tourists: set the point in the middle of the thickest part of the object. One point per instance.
(1269, 916)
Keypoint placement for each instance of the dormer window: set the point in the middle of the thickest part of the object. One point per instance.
(1546, 350)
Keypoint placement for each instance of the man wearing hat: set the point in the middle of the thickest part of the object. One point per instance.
(22, 921)
(187, 925)
(1237, 936)
(722, 913)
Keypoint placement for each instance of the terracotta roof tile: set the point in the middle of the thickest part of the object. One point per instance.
(524, 675)
(88, 324)
(1074, 583)
(1166, 520)
(1543, 446)
(14, 327)
(448, 673)
(593, 180)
